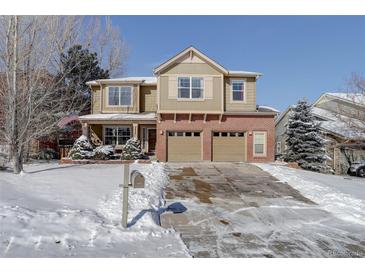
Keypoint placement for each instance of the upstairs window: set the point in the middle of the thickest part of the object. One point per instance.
(120, 96)
(238, 89)
(190, 87)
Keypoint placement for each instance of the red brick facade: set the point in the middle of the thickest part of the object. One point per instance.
(247, 123)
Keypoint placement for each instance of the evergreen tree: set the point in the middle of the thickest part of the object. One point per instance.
(305, 144)
(79, 66)
(82, 149)
(132, 150)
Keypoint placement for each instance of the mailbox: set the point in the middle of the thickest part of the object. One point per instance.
(136, 179)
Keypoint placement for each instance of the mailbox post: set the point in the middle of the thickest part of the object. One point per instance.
(136, 179)
(125, 195)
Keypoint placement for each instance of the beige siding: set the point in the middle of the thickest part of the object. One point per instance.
(148, 98)
(192, 68)
(211, 102)
(115, 109)
(249, 104)
(95, 100)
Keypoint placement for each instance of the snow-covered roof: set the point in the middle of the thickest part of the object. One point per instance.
(119, 116)
(358, 98)
(267, 109)
(338, 124)
(144, 80)
(324, 113)
(243, 73)
(341, 128)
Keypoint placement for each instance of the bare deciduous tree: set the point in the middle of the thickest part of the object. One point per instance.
(32, 97)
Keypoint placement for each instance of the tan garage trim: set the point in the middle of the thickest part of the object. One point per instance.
(184, 146)
(229, 146)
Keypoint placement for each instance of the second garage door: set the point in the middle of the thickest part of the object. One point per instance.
(184, 146)
(229, 146)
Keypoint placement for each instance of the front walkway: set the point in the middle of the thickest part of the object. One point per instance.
(238, 210)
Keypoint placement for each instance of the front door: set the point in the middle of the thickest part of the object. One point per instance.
(151, 139)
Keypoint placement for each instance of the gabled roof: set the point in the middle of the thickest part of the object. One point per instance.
(190, 50)
(350, 97)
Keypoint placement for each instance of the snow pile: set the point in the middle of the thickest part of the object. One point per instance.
(336, 194)
(75, 211)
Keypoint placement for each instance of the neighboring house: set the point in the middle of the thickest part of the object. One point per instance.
(193, 110)
(341, 117)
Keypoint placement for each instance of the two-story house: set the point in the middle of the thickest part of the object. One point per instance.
(341, 117)
(194, 109)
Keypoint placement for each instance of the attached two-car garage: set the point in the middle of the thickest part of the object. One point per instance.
(187, 146)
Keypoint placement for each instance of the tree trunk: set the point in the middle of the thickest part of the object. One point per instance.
(16, 150)
(18, 161)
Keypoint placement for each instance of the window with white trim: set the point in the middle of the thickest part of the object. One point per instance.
(278, 147)
(190, 87)
(259, 143)
(120, 96)
(238, 90)
(116, 135)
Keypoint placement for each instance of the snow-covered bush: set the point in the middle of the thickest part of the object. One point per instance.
(305, 145)
(132, 150)
(82, 149)
(103, 152)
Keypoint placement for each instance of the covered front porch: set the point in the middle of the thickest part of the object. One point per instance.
(117, 129)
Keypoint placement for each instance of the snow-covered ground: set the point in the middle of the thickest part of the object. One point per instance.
(75, 211)
(343, 196)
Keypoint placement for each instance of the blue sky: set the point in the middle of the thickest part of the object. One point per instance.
(300, 56)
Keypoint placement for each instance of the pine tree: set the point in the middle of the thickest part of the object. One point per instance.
(82, 149)
(132, 150)
(80, 65)
(305, 144)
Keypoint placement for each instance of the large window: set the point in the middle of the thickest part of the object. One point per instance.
(120, 96)
(116, 135)
(238, 90)
(190, 87)
(259, 143)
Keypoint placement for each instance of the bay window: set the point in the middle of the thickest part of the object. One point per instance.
(120, 96)
(190, 87)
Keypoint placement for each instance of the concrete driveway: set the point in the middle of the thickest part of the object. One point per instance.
(238, 210)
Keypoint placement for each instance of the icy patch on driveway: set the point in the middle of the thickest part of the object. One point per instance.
(337, 194)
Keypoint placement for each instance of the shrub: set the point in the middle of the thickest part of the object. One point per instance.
(132, 150)
(82, 149)
(103, 152)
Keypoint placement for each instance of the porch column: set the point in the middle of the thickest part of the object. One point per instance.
(86, 130)
(135, 130)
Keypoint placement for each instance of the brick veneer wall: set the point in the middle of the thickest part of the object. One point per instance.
(228, 123)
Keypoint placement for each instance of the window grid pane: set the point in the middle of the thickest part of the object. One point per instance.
(113, 96)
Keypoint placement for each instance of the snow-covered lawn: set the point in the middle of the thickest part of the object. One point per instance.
(75, 211)
(343, 196)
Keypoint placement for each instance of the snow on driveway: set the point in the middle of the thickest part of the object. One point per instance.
(343, 196)
(75, 211)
